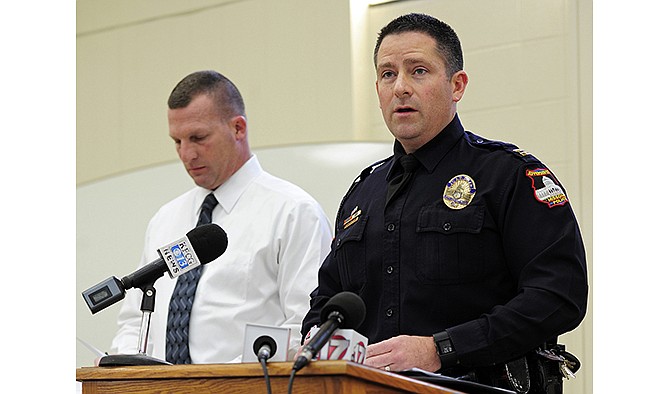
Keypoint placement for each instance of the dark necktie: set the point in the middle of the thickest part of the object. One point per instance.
(409, 163)
(179, 312)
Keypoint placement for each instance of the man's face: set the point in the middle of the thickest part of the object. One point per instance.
(209, 145)
(416, 95)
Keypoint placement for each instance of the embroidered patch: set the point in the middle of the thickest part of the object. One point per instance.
(459, 192)
(546, 187)
(353, 218)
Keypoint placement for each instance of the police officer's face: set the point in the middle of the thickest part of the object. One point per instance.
(211, 147)
(416, 95)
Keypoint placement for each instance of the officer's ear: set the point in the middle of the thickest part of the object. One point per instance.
(459, 81)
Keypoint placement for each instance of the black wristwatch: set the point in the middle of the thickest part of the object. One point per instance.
(445, 349)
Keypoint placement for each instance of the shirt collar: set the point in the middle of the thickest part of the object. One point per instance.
(430, 154)
(231, 190)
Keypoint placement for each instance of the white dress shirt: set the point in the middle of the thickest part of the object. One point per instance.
(278, 235)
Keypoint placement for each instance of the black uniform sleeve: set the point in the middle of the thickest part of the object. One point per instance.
(544, 251)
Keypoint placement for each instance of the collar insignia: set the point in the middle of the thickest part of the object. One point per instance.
(521, 152)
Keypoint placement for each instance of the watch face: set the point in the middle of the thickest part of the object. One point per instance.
(446, 346)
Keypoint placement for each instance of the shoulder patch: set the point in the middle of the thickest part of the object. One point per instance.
(546, 187)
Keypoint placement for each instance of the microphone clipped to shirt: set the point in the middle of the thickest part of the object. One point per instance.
(343, 310)
(201, 245)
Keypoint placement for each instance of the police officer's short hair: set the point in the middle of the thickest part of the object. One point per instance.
(448, 44)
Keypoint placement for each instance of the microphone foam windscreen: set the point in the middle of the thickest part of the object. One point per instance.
(209, 241)
(349, 305)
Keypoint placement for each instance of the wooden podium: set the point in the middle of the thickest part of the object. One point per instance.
(320, 377)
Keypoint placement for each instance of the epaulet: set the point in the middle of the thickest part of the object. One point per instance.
(500, 145)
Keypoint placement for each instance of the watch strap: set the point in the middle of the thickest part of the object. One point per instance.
(445, 349)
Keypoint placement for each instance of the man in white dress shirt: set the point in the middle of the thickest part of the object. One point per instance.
(278, 234)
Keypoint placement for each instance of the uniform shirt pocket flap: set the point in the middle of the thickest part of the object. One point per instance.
(351, 233)
(446, 221)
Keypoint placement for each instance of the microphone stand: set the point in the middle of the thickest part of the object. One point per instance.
(141, 358)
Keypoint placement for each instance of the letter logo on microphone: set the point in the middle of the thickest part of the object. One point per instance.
(337, 347)
(176, 251)
(179, 257)
(358, 353)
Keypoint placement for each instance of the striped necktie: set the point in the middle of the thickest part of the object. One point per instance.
(179, 312)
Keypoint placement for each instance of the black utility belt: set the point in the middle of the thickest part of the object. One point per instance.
(540, 371)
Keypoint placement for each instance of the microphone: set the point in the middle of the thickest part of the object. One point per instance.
(265, 347)
(344, 310)
(201, 245)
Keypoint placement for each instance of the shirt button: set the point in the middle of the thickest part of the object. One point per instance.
(389, 312)
(390, 227)
(389, 269)
(447, 226)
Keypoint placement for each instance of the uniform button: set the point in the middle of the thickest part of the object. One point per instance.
(389, 312)
(447, 226)
(389, 269)
(339, 241)
(390, 227)
(479, 140)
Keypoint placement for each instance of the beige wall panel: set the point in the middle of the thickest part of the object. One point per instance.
(93, 114)
(495, 78)
(96, 15)
(293, 70)
(543, 65)
(543, 18)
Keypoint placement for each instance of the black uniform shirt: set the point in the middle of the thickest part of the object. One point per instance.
(502, 273)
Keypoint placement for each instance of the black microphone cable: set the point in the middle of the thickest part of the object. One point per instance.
(265, 347)
(290, 380)
(264, 364)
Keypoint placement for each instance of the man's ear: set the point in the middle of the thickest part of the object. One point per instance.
(459, 82)
(239, 123)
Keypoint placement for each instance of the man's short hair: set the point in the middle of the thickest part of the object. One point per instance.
(212, 83)
(448, 44)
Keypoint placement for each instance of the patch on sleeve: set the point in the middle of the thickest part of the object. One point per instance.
(546, 187)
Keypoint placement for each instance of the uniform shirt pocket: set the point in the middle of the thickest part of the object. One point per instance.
(450, 249)
(350, 256)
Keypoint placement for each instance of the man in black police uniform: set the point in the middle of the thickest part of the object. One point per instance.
(465, 251)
